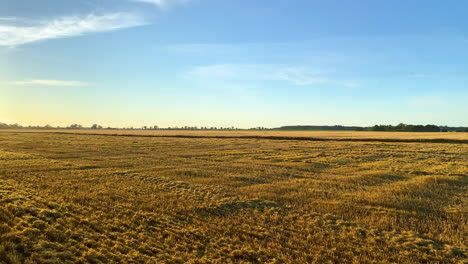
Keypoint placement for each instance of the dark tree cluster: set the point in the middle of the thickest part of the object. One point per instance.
(408, 128)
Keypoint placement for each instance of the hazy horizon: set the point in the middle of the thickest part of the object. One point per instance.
(319, 127)
(233, 63)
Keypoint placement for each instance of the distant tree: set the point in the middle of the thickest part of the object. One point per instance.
(75, 126)
(400, 127)
(15, 126)
(378, 128)
(407, 128)
(96, 126)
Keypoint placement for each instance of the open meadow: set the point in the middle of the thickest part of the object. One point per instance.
(110, 196)
(273, 134)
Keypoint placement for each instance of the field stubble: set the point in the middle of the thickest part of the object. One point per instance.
(69, 198)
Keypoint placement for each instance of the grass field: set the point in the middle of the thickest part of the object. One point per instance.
(328, 135)
(233, 197)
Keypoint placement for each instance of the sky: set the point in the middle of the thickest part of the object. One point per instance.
(242, 63)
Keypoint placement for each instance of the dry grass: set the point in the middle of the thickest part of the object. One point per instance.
(330, 135)
(68, 198)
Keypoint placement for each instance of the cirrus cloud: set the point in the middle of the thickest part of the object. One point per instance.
(16, 31)
(296, 75)
(162, 3)
(50, 83)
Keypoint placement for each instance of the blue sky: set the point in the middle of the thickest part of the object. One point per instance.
(240, 63)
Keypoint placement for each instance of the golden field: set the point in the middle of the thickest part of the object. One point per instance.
(329, 135)
(233, 197)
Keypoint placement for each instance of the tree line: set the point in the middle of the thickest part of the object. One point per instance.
(97, 126)
(400, 127)
(418, 128)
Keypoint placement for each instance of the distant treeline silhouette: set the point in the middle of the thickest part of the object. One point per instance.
(400, 127)
(411, 128)
(96, 126)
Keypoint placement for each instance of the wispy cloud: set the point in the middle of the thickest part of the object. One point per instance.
(163, 3)
(8, 19)
(296, 75)
(16, 31)
(50, 83)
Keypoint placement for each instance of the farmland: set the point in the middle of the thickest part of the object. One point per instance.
(233, 197)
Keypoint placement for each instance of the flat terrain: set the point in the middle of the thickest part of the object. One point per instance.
(88, 198)
(326, 135)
